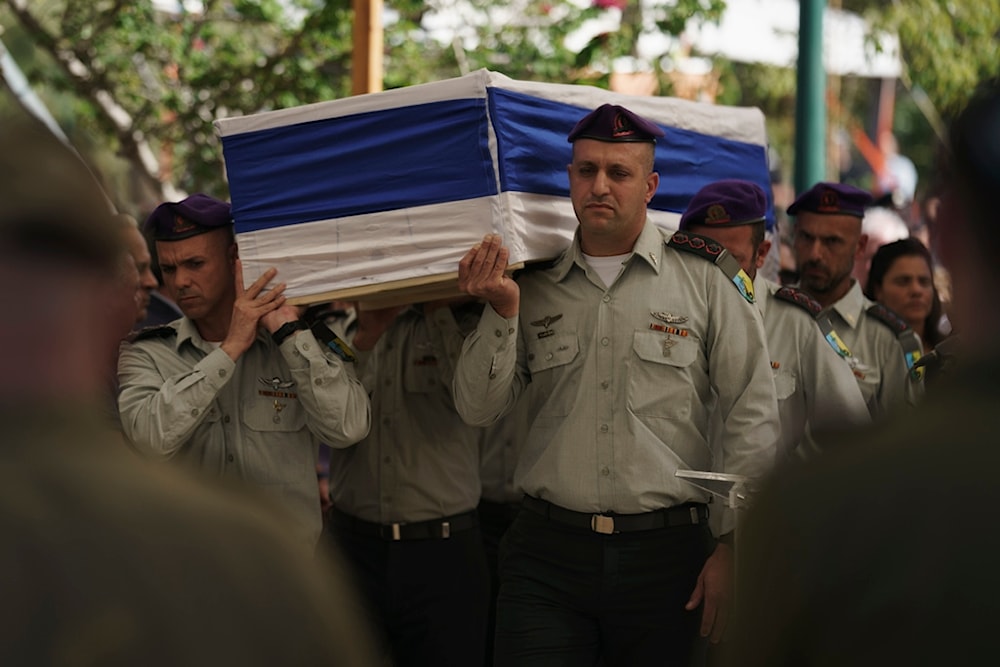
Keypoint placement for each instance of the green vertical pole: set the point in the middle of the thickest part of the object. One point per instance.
(810, 106)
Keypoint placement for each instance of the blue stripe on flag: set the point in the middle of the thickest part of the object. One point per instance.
(533, 151)
(363, 163)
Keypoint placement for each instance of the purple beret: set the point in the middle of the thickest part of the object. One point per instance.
(610, 122)
(726, 203)
(832, 199)
(197, 214)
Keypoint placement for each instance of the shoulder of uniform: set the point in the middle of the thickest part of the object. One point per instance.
(799, 298)
(713, 251)
(696, 244)
(149, 333)
(888, 318)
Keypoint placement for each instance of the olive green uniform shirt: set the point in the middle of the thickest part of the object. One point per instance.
(622, 403)
(260, 419)
(815, 386)
(420, 461)
(879, 361)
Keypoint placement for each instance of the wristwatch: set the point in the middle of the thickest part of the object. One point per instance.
(286, 330)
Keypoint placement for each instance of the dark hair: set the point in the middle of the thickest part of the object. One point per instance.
(882, 261)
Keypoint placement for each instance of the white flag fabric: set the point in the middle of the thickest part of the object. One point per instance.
(394, 187)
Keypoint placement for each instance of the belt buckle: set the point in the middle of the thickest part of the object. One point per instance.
(445, 530)
(605, 525)
(395, 532)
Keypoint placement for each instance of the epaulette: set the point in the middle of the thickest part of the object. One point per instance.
(800, 299)
(712, 250)
(814, 308)
(888, 318)
(907, 338)
(147, 333)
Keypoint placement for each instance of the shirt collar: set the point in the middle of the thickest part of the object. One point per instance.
(649, 246)
(851, 306)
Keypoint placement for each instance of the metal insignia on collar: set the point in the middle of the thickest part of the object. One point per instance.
(652, 258)
(277, 383)
(669, 318)
(545, 323)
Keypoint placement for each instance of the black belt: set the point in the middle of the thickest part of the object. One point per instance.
(435, 529)
(498, 511)
(688, 514)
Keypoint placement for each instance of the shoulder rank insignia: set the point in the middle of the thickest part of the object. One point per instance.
(713, 251)
(904, 334)
(813, 307)
(799, 298)
(148, 333)
(888, 318)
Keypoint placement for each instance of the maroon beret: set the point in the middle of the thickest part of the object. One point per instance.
(197, 214)
(726, 203)
(610, 122)
(832, 199)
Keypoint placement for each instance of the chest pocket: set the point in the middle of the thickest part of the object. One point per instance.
(869, 378)
(263, 413)
(281, 451)
(784, 384)
(422, 375)
(550, 361)
(552, 352)
(660, 382)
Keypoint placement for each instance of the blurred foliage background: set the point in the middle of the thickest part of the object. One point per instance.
(136, 84)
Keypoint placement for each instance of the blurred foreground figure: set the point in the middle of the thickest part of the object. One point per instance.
(106, 560)
(884, 552)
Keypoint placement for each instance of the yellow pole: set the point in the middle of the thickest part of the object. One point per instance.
(367, 51)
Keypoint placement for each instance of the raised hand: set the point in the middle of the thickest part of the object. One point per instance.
(252, 303)
(482, 273)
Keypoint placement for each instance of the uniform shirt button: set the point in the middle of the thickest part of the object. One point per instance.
(276, 419)
(548, 357)
(605, 341)
(230, 458)
(511, 330)
(604, 428)
(226, 419)
(531, 356)
(305, 346)
(498, 333)
(222, 372)
(605, 384)
(605, 471)
(606, 298)
(318, 382)
(194, 412)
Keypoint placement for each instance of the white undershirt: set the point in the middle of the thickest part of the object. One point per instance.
(607, 267)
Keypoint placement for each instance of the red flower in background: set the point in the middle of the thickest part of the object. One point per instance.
(610, 4)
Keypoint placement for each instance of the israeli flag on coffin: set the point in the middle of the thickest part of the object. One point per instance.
(388, 189)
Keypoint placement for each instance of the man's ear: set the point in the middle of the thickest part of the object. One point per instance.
(762, 250)
(859, 252)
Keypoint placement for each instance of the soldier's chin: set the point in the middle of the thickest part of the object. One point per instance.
(815, 283)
